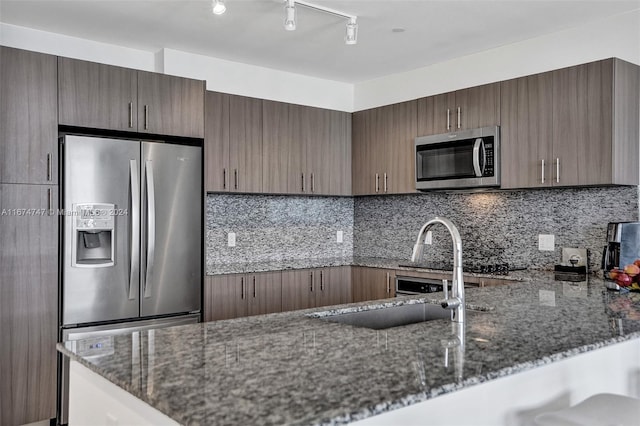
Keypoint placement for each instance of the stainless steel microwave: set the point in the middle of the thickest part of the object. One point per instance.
(464, 159)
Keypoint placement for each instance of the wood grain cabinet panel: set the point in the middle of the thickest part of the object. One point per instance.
(372, 283)
(233, 143)
(169, 105)
(383, 149)
(28, 117)
(299, 289)
(240, 295)
(275, 146)
(578, 126)
(334, 286)
(97, 96)
(28, 303)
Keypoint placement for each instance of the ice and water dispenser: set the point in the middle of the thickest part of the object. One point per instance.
(93, 235)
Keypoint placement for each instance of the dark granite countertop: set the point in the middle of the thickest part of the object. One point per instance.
(290, 368)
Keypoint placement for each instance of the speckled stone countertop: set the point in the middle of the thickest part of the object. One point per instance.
(291, 368)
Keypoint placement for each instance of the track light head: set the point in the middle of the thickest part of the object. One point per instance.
(351, 36)
(218, 7)
(290, 20)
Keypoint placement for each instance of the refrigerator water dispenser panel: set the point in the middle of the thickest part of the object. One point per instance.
(93, 235)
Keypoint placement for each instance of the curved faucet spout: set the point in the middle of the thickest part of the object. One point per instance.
(456, 301)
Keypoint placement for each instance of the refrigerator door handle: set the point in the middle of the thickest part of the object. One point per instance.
(151, 227)
(134, 217)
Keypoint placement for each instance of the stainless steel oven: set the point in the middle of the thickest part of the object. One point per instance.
(464, 159)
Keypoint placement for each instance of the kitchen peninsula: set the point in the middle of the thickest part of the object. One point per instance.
(295, 368)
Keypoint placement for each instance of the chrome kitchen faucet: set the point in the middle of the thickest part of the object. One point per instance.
(456, 302)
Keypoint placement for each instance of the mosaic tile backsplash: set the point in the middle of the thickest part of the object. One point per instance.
(272, 228)
(495, 227)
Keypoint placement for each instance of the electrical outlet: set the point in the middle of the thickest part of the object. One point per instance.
(546, 242)
(428, 238)
(231, 239)
(339, 236)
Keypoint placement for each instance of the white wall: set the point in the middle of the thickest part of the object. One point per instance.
(617, 36)
(74, 47)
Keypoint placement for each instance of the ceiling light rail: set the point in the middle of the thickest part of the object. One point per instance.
(351, 34)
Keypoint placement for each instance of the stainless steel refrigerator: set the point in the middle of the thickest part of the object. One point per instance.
(132, 239)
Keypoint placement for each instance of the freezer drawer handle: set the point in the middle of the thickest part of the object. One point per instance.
(151, 228)
(134, 217)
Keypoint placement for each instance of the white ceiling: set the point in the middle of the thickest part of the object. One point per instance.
(251, 31)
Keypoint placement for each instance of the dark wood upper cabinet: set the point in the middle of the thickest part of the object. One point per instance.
(463, 109)
(28, 304)
(28, 117)
(275, 147)
(97, 96)
(102, 96)
(383, 149)
(576, 126)
(233, 143)
(169, 105)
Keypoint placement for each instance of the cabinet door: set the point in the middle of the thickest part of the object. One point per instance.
(298, 180)
(298, 290)
(245, 144)
(371, 283)
(526, 131)
(626, 126)
(275, 145)
(264, 293)
(569, 115)
(334, 286)
(479, 107)
(338, 162)
(216, 142)
(97, 96)
(169, 105)
(363, 169)
(317, 136)
(28, 303)
(28, 117)
(399, 174)
(436, 114)
(225, 297)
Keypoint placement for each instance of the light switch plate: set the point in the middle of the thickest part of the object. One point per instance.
(231, 239)
(339, 236)
(546, 242)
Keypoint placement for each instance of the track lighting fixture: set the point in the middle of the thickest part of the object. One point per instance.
(218, 7)
(290, 19)
(351, 35)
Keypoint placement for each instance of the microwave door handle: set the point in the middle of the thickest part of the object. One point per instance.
(478, 146)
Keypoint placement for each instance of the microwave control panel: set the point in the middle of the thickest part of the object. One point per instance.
(489, 169)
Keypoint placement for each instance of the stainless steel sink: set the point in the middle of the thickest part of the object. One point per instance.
(393, 316)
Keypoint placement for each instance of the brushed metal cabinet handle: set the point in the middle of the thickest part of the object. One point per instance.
(312, 185)
(321, 282)
(388, 283)
(224, 178)
(385, 183)
(557, 170)
(48, 167)
(542, 172)
(146, 117)
(235, 178)
(241, 287)
(448, 119)
(130, 114)
(377, 183)
(311, 277)
(49, 201)
(302, 180)
(254, 287)
(459, 121)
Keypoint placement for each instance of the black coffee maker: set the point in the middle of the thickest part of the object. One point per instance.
(623, 245)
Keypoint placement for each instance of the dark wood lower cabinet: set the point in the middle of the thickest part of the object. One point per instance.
(310, 288)
(239, 295)
(372, 283)
(28, 303)
(334, 286)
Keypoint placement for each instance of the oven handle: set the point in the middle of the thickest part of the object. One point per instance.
(478, 152)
